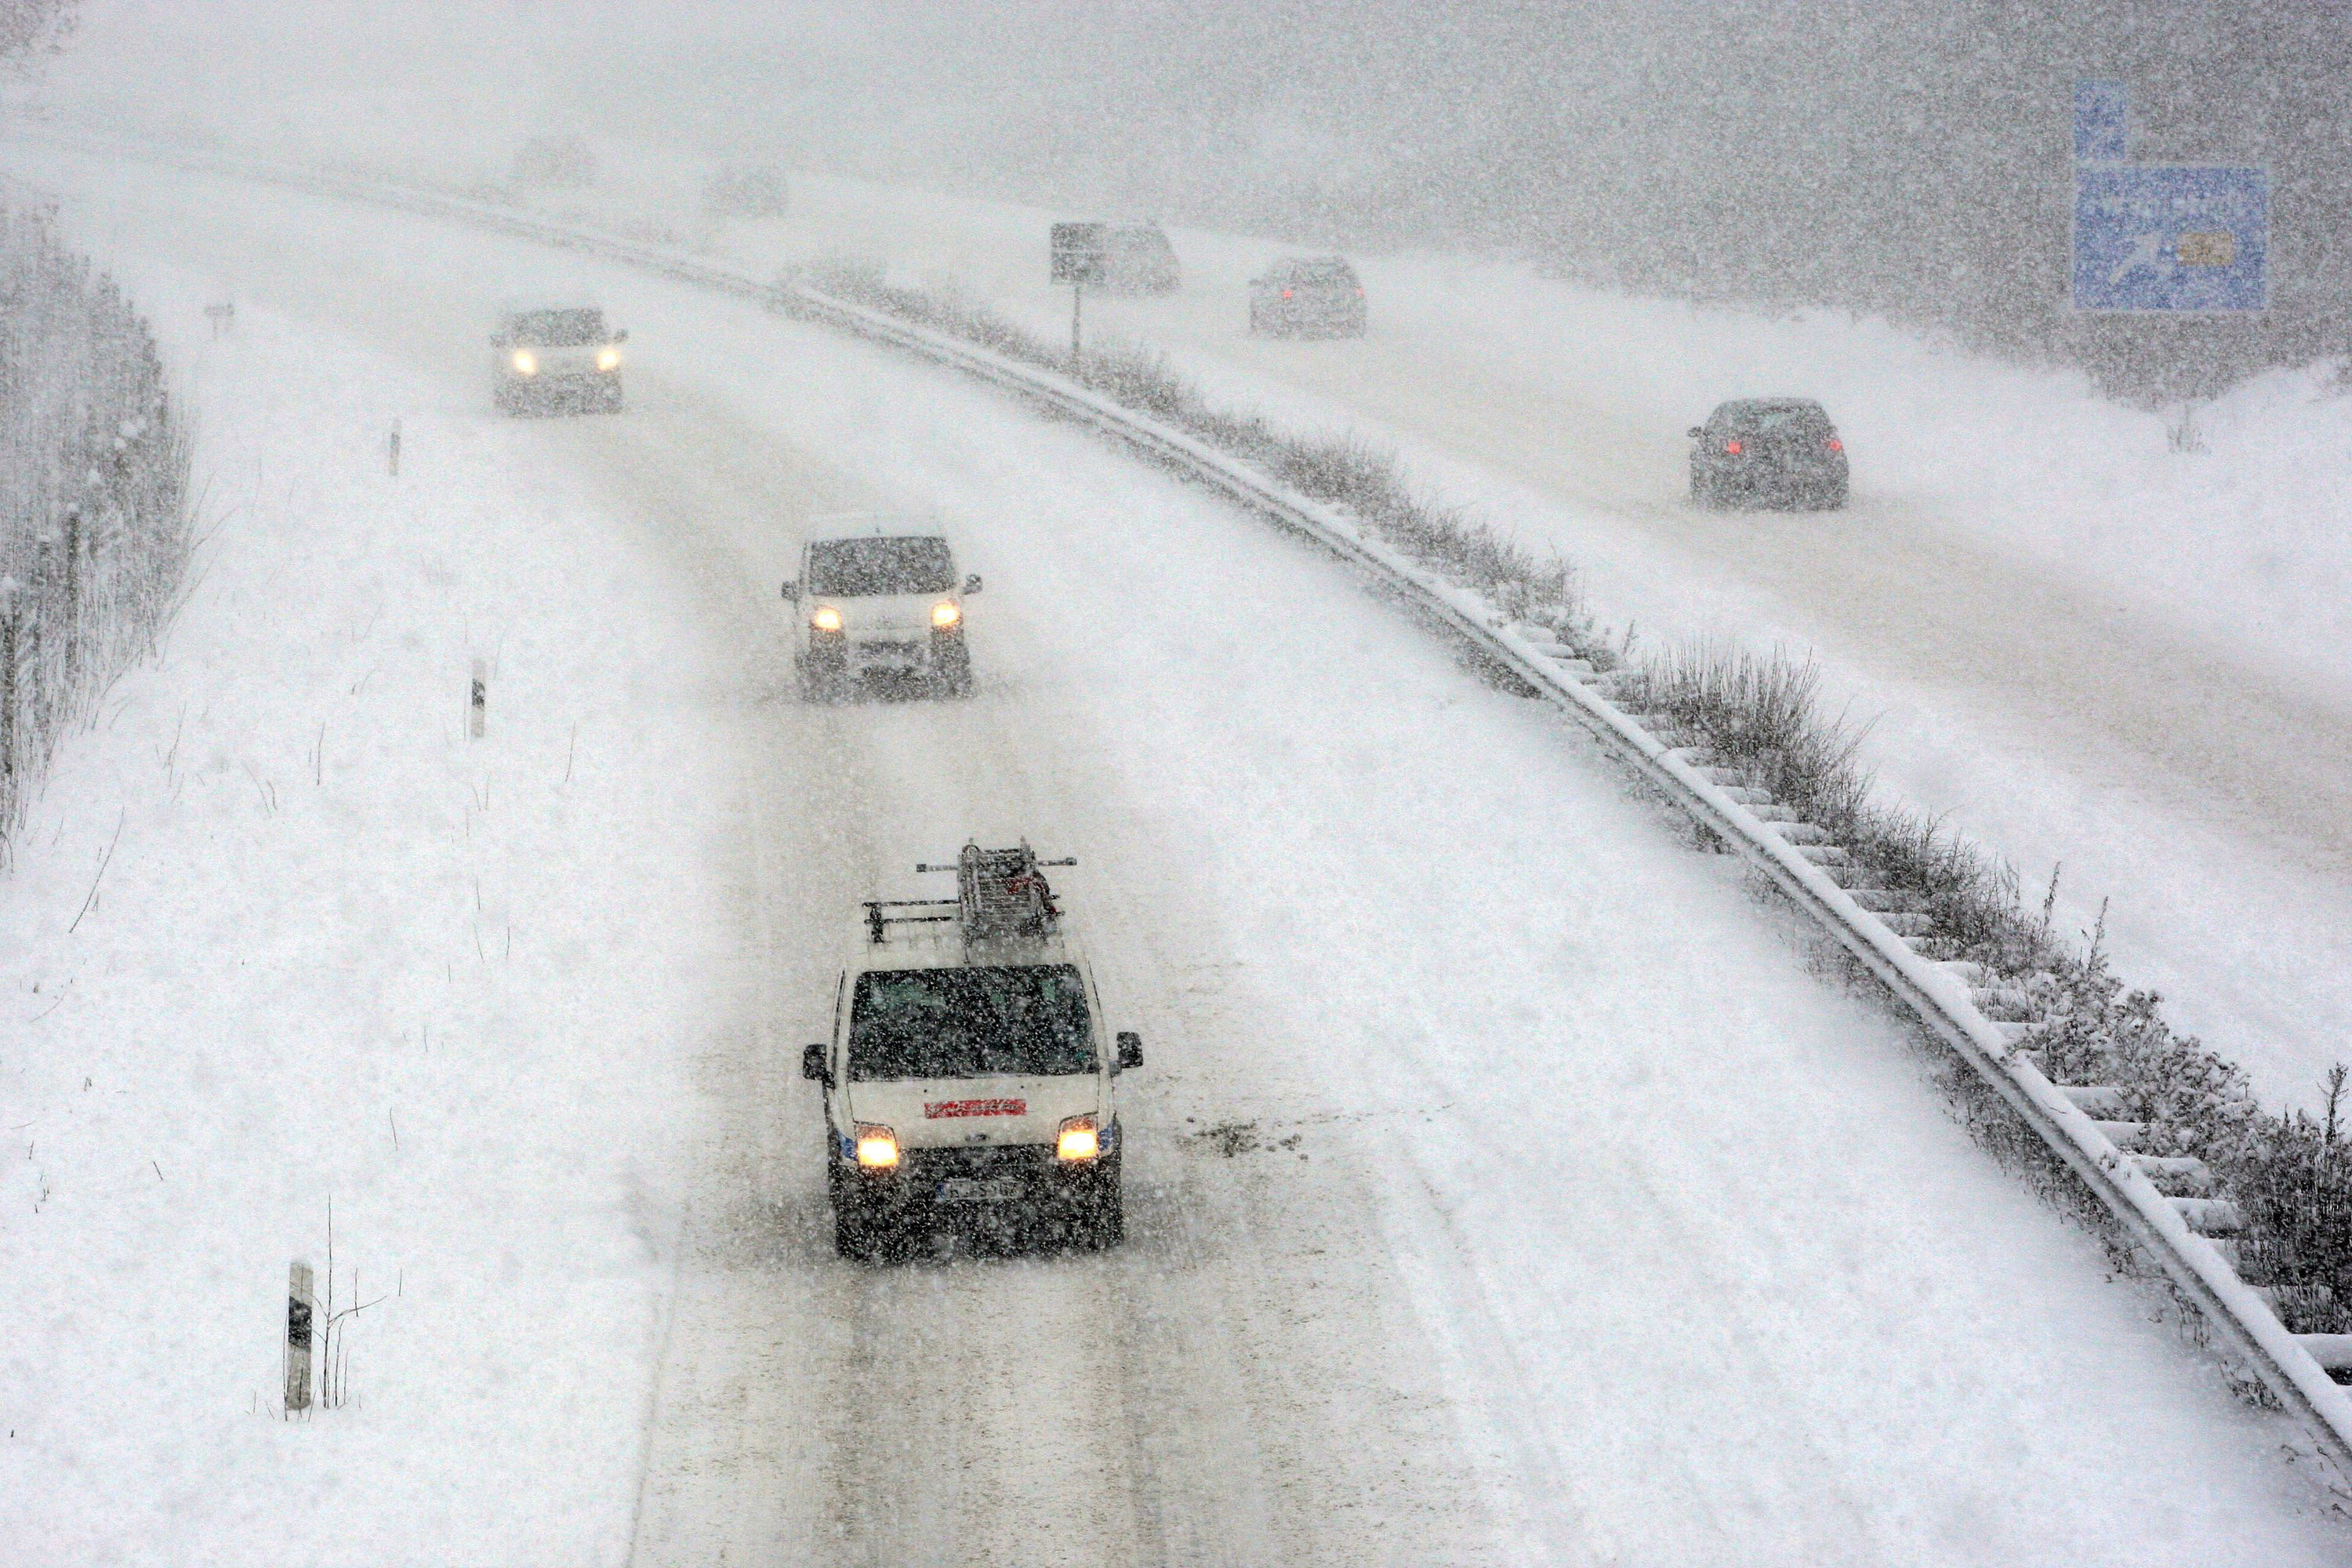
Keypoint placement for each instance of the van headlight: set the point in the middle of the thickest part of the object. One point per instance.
(1078, 1139)
(946, 616)
(525, 362)
(608, 358)
(825, 618)
(878, 1147)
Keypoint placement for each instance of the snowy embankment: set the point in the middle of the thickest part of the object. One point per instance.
(279, 934)
(1505, 1186)
(2069, 639)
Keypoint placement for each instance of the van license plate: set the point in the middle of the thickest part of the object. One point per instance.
(975, 1190)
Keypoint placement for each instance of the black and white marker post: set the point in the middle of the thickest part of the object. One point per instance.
(300, 1308)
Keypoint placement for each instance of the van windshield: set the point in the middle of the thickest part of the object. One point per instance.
(558, 329)
(848, 568)
(1028, 1021)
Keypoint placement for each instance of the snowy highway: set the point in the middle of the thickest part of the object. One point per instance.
(1509, 1183)
(2052, 624)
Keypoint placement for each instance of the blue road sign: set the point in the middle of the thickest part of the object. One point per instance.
(2099, 121)
(2165, 237)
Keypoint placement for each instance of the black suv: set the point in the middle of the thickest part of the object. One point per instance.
(1768, 452)
(1317, 295)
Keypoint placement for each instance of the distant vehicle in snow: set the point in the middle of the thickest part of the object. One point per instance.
(881, 603)
(560, 357)
(1315, 296)
(1124, 258)
(756, 191)
(967, 1079)
(1768, 452)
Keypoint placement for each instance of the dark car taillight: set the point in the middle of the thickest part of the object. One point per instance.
(1286, 293)
(1731, 448)
(1836, 445)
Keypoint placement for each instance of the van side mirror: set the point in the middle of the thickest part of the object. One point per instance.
(813, 1065)
(971, 584)
(792, 590)
(1130, 1049)
(622, 336)
(1696, 431)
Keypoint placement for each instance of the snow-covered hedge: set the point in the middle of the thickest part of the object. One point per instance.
(94, 526)
(1759, 714)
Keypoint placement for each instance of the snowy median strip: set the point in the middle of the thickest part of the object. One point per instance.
(2084, 1125)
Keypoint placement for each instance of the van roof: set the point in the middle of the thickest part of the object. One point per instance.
(942, 947)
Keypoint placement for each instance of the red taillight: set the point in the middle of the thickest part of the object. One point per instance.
(1286, 293)
(1836, 445)
(1731, 448)
(1359, 293)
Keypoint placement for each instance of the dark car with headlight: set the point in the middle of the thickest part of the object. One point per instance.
(1308, 295)
(1777, 452)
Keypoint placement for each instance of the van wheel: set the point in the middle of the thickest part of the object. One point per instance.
(857, 1237)
(951, 674)
(1102, 1217)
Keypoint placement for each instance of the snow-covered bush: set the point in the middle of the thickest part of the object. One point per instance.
(2287, 1174)
(93, 495)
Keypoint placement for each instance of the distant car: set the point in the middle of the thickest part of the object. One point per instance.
(1768, 452)
(1317, 296)
(560, 357)
(883, 603)
(1138, 259)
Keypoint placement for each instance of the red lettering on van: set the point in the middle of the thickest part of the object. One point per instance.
(939, 1110)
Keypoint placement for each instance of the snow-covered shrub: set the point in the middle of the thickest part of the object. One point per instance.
(93, 495)
(1761, 713)
(2287, 1174)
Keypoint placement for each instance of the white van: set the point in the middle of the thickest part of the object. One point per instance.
(969, 1078)
(882, 603)
(560, 357)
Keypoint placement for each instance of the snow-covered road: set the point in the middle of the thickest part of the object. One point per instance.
(1507, 1185)
(2082, 649)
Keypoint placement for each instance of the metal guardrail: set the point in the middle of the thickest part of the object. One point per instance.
(2243, 1323)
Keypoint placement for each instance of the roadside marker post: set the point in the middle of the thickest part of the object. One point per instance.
(300, 1308)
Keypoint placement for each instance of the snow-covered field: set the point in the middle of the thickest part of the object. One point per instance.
(1507, 1186)
(2092, 651)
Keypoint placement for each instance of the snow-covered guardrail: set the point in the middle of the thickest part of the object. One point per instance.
(2082, 1124)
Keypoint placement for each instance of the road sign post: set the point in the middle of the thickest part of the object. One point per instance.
(1081, 256)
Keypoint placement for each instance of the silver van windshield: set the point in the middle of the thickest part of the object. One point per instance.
(854, 568)
(1015, 1021)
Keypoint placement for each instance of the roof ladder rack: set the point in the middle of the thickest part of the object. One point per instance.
(1000, 895)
